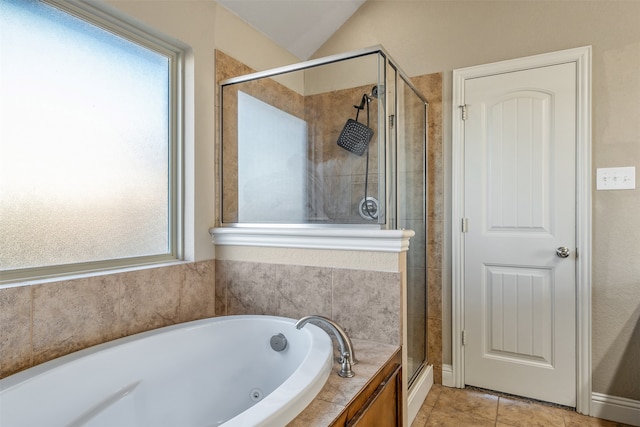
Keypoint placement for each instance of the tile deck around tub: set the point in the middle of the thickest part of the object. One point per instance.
(338, 392)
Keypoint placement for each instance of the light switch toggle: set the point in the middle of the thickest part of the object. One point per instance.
(616, 178)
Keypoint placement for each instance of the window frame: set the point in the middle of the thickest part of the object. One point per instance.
(108, 19)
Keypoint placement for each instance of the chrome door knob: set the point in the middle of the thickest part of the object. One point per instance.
(563, 252)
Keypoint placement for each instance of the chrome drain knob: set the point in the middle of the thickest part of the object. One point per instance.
(278, 342)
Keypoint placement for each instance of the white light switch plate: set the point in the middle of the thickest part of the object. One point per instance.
(616, 178)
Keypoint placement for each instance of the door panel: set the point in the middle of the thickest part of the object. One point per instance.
(520, 145)
(519, 151)
(518, 315)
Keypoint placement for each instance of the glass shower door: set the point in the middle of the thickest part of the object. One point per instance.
(411, 214)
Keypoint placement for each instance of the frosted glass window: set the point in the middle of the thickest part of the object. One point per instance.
(272, 161)
(85, 142)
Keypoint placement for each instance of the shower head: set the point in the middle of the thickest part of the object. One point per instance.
(355, 137)
(376, 91)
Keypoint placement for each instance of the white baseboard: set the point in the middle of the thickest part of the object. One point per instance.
(419, 391)
(618, 409)
(447, 375)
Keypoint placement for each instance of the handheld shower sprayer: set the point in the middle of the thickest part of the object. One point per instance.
(364, 101)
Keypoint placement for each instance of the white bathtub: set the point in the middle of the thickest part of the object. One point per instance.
(219, 371)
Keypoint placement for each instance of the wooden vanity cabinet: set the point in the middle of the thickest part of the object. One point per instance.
(379, 403)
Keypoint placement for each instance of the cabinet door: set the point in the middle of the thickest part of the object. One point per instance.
(383, 410)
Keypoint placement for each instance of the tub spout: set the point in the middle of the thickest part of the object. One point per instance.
(347, 355)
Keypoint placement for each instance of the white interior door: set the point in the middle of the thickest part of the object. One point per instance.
(519, 205)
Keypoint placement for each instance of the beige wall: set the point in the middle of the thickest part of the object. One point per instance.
(439, 36)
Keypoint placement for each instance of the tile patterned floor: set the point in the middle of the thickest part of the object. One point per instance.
(454, 407)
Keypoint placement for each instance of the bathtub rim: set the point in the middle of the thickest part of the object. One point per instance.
(275, 402)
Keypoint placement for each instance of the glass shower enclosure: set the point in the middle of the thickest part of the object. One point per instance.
(336, 141)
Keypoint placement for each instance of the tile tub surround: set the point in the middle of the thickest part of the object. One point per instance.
(41, 322)
(338, 392)
(365, 303)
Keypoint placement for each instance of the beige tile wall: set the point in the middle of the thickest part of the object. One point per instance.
(365, 303)
(41, 322)
(337, 177)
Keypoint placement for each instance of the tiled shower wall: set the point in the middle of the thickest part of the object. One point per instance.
(365, 303)
(41, 322)
(337, 178)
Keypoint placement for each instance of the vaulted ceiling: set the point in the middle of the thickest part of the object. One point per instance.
(299, 26)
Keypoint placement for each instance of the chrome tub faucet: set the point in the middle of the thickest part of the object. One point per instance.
(347, 356)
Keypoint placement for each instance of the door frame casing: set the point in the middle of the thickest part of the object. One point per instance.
(582, 57)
